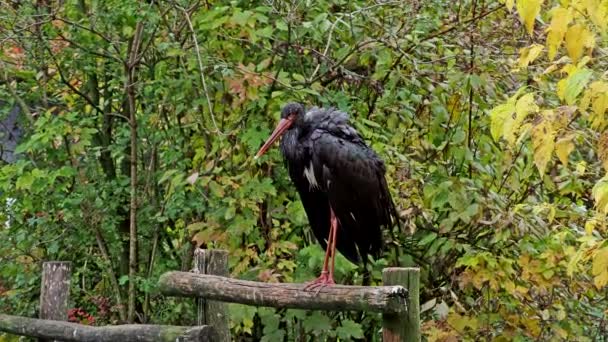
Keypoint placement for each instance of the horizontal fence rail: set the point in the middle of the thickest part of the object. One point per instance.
(385, 299)
(65, 331)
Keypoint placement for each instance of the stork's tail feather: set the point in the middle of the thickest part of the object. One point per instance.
(391, 209)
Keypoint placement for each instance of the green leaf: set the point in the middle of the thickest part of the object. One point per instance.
(430, 237)
(127, 31)
(276, 335)
(317, 322)
(25, 181)
(571, 87)
(371, 123)
(281, 25)
(349, 329)
(240, 18)
(298, 77)
(254, 137)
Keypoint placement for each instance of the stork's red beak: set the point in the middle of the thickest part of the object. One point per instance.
(283, 125)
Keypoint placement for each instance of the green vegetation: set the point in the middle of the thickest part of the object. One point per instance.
(140, 121)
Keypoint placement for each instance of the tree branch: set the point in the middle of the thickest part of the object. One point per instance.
(26, 110)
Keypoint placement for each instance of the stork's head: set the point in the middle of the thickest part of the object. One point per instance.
(293, 109)
(290, 114)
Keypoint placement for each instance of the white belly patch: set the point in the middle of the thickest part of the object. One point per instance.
(309, 173)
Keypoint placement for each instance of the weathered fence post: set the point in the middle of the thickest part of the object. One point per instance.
(403, 327)
(213, 313)
(55, 290)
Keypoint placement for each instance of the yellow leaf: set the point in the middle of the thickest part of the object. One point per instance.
(532, 326)
(461, 322)
(543, 141)
(523, 133)
(599, 87)
(512, 123)
(595, 89)
(5, 337)
(563, 147)
(574, 43)
(559, 331)
(600, 195)
(577, 38)
(561, 315)
(597, 95)
(600, 268)
(525, 105)
(599, 106)
(580, 168)
(602, 149)
(568, 68)
(591, 224)
(502, 117)
(560, 18)
(573, 262)
(597, 12)
(528, 54)
(497, 117)
(453, 106)
(528, 10)
(550, 69)
(509, 4)
(583, 61)
(563, 116)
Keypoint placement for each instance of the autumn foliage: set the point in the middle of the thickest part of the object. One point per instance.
(490, 116)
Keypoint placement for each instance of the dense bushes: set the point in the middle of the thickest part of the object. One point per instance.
(490, 123)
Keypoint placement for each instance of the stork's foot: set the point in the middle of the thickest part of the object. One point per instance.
(324, 280)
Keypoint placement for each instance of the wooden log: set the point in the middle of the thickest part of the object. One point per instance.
(66, 331)
(332, 298)
(212, 312)
(55, 290)
(404, 326)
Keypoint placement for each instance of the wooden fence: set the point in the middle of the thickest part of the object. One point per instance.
(397, 300)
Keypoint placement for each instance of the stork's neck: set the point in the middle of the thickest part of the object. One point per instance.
(290, 144)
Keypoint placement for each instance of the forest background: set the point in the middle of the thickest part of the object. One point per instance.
(135, 124)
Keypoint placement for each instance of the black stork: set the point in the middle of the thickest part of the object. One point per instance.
(340, 180)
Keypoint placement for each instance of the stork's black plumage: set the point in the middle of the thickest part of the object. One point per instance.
(333, 169)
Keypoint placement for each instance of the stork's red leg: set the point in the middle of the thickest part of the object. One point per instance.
(327, 274)
(334, 233)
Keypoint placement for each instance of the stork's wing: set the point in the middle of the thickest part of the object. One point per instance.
(353, 177)
(316, 205)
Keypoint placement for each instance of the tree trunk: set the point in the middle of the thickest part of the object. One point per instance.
(133, 60)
